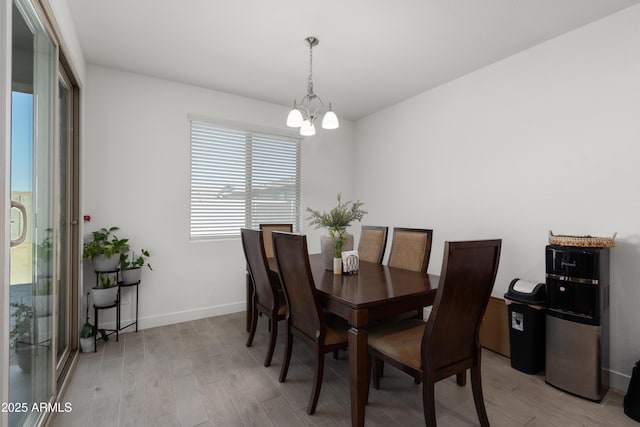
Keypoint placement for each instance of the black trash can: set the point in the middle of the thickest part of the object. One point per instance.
(526, 307)
(632, 398)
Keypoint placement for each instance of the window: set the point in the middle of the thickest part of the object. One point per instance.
(241, 178)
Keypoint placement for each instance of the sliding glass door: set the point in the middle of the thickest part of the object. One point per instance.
(43, 296)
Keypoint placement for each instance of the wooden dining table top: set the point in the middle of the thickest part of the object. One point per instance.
(373, 285)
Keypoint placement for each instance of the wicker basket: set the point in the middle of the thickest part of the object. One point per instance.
(582, 241)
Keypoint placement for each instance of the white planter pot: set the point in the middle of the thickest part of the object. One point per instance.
(87, 344)
(102, 263)
(131, 275)
(104, 296)
(328, 251)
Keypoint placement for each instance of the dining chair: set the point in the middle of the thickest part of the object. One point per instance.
(266, 234)
(266, 298)
(448, 342)
(411, 249)
(305, 316)
(373, 242)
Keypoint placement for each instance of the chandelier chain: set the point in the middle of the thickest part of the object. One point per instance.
(310, 81)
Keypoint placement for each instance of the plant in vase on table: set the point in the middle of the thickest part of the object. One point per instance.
(104, 249)
(336, 222)
(131, 266)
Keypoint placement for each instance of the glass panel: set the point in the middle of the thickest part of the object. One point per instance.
(32, 164)
(63, 278)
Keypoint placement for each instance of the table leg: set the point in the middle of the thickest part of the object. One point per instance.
(358, 373)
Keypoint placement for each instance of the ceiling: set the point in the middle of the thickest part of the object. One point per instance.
(372, 53)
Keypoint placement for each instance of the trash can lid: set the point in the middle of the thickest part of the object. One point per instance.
(526, 292)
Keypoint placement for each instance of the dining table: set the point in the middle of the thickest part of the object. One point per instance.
(373, 293)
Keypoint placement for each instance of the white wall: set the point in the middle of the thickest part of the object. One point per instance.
(546, 139)
(137, 177)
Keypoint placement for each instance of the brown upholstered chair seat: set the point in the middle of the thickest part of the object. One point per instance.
(399, 340)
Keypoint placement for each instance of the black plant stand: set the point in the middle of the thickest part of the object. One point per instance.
(97, 308)
(109, 332)
(122, 285)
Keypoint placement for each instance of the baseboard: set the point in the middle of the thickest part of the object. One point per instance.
(180, 316)
(494, 331)
(619, 381)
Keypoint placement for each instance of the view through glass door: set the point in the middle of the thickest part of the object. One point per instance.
(42, 312)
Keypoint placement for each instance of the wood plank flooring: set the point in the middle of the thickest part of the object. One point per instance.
(200, 373)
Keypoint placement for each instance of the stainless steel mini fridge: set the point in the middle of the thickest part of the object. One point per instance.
(577, 323)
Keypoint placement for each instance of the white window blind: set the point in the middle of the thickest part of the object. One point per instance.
(242, 178)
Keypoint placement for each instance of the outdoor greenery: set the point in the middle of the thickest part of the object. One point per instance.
(337, 220)
(23, 327)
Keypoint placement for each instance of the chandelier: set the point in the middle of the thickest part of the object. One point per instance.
(304, 113)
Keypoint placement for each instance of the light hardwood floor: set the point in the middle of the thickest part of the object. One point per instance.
(201, 374)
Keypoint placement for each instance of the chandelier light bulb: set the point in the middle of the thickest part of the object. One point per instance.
(307, 128)
(330, 120)
(294, 119)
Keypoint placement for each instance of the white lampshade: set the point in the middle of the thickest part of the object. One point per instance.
(307, 128)
(330, 120)
(294, 119)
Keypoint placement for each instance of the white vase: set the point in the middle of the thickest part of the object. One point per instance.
(103, 263)
(130, 275)
(87, 344)
(327, 248)
(104, 296)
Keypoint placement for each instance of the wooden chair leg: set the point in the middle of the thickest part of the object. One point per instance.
(273, 322)
(478, 399)
(428, 401)
(461, 378)
(336, 354)
(287, 355)
(377, 367)
(252, 332)
(317, 381)
(369, 371)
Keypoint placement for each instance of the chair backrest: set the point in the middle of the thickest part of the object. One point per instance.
(411, 249)
(304, 310)
(258, 267)
(468, 273)
(373, 242)
(266, 235)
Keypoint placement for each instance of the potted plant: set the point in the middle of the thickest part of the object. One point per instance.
(88, 332)
(131, 266)
(104, 249)
(21, 336)
(106, 293)
(336, 223)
